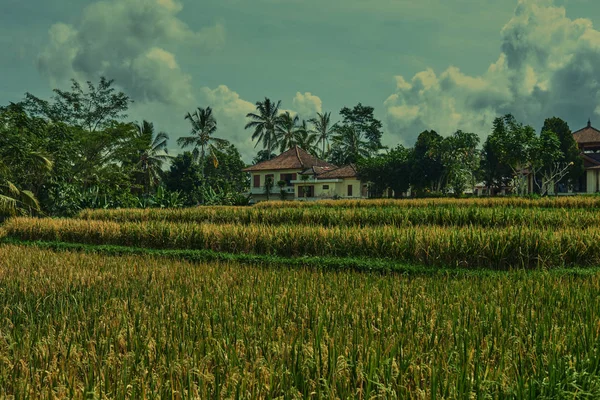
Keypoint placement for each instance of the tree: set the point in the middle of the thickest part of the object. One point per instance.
(25, 165)
(324, 130)
(95, 109)
(183, 176)
(264, 124)
(262, 155)
(349, 146)
(568, 147)
(152, 152)
(387, 171)
(307, 139)
(204, 126)
(548, 166)
(514, 144)
(282, 192)
(362, 120)
(287, 131)
(461, 159)
(427, 167)
(269, 186)
(228, 176)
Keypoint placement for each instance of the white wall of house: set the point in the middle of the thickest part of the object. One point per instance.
(592, 180)
(277, 176)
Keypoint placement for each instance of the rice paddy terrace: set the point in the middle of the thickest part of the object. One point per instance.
(485, 298)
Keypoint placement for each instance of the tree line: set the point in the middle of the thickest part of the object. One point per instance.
(79, 150)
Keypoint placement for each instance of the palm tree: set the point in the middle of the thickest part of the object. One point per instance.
(288, 131)
(324, 129)
(307, 139)
(15, 201)
(264, 123)
(204, 125)
(349, 145)
(153, 152)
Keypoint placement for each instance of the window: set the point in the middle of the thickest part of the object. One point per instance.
(325, 187)
(256, 181)
(349, 190)
(288, 178)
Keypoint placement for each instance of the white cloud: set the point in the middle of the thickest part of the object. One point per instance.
(136, 42)
(307, 105)
(131, 41)
(548, 65)
(230, 110)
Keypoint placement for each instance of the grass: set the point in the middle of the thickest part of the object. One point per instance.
(83, 325)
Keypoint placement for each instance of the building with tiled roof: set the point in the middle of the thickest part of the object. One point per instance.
(588, 138)
(300, 175)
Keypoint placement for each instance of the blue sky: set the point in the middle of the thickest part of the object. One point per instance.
(432, 64)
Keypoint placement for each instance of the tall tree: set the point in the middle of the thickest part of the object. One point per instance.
(183, 177)
(547, 166)
(152, 153)
(349, 146)
(264, 123)
(427, 166)
(461, 160)
(22, 161)
(204, 126)
(568, 148)
(362, 120)
(514, 144)
(287, 131)
(307, 138)
(93, 109)
(324, 130)
(387, 171)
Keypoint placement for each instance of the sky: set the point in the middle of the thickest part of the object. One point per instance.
(432, 64)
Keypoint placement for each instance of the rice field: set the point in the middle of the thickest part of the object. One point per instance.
(490, 298)
(513, 247)
(87, 326)
(490, 217)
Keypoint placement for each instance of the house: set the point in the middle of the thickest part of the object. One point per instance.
(303, 176)
(588, 140)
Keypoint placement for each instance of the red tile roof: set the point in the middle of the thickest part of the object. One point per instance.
(294, 158)
(589, 134)
(347, 171)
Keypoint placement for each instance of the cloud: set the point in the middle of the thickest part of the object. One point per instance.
(131, 41)
(230, 110)
(548, 65)
(136, 42)
(307, 105)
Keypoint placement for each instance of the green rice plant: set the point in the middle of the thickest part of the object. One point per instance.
(581, 201)
(464, 247)
(89, 326)
(361, 216)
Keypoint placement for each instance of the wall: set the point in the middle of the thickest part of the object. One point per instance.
(591, 176)
(276, 178)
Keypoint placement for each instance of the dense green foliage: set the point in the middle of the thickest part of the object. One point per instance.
(77, 150)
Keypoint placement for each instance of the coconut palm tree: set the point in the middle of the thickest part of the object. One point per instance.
(15, 201)
(349, 146)
(288, 131)
(204, 125)
(307, 139)
(152, 153)
(264, 123)
(324, 128)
